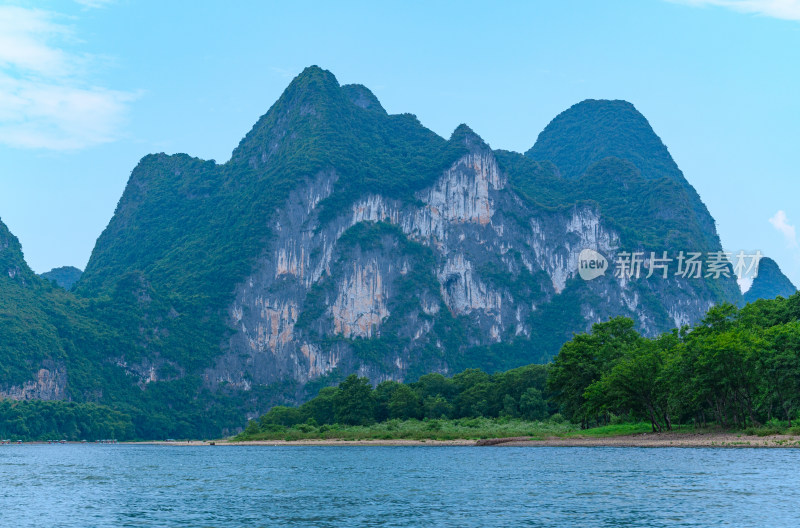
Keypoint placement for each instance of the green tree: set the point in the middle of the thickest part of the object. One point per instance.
(532, 405)
(353, 403)
(781, 367)
(252, 428)
(584, 360)
(404, 404)
(635, 383)
(382, 395)
(510, 408)
(435, 385)
(437, 407)
(321, 408)
(282, 415)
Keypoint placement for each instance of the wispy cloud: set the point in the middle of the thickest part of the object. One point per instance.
(94, 4)
(45, 101)
(783, 9)
(284, 72)
(781, 223)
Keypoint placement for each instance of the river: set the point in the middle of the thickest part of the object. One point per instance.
(224, 486)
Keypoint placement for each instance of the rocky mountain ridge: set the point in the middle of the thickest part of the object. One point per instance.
(342, 239)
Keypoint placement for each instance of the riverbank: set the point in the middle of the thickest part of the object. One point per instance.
(649, 440)
(659, 440)
(485, 432)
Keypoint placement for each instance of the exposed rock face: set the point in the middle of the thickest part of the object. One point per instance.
(49, 383)
(462, 194)
(360, 306)
(315, 292)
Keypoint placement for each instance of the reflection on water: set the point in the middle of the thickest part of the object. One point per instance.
(223, 486)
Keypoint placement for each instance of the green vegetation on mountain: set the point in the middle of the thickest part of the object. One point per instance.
(42, 326)
(648, 213)
(186, 231)
(770, 283)
(144, 327)
(28, 337)
(596, 132)
(592, 130)
(65, 276)
(57, 420)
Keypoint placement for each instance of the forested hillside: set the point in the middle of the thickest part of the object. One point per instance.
(341, 239)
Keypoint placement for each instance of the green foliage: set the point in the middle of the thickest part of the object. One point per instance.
(452, 429)
(184, 233)
(606, 154)
(65, 276)
(582, 362)
(598, 129)
(737, 368)
(532, 405)
(770, 283)
(653, 213)
(28, 339)
(517, 393)
(405, 404)
(353, 403)
(55, 420)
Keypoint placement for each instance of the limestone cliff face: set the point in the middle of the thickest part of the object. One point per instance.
(49, 383)
(322, 291)
(360, 306)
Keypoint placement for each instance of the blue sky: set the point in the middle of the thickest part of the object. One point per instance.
(89, 87)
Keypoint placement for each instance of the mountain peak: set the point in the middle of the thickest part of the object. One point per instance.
(597, 128)
(770, 282)
(312, 97)
(464, 134)
(12, 260)
(314, 78)
(362, 97)
(64, 276)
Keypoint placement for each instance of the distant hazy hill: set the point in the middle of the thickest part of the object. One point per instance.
(770, 282)
(64, 276)
(340, 239)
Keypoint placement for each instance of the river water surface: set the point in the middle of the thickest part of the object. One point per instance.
(233, 486)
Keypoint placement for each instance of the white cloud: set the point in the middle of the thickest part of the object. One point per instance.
(94, 4)
(44, 100)
(783, 9)
(781, 222)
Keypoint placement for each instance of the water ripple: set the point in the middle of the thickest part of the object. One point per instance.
(154, 486)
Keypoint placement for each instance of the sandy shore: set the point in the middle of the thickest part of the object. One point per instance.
(640, 440)
(665, 440)
(321, 442)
